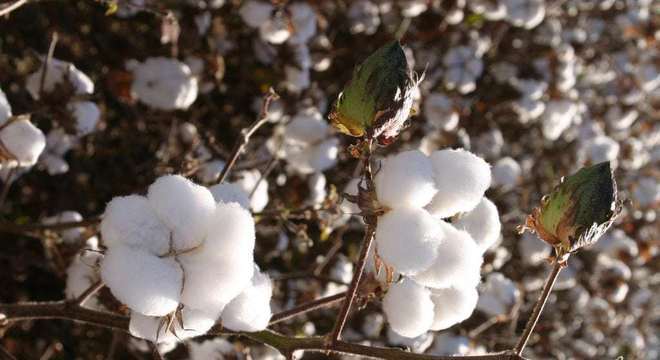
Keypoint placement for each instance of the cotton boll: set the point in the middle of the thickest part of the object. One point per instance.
(185, 207)
(59, 142)
(211, 285)
(464, 66)
(498, 294)
(195, 323)
(405, 179)
(452, 305)
(297, 79)
(323, 156)
(506, 173)
(275, 30)
(557, 117)
(81, 274)
(364, 17)
(417, 345)
(250, 181)
(144, 282)
(303, 20)
(250, 311)
(458, 262)
(647, 192)
(447, 344)
(602, 148)
(317, 193)
(528, 109)
(307, 126)
(164, 83)
(617, 119)
(255, 12)
(407, 239)
(461, 179)
(408, 308)
(24, 141)
(210, 171)
(5, 108)
(533, 250)
(57, 69)
(482, 223)
(54, 165)
(525, 13)
(230, 234)
(230, 193)
(413, 8)
(440, 113)
(87, 115)
(72, 235)
(132, 221)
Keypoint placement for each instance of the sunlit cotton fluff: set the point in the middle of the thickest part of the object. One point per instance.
(439, 112)
(461, 179)
(557, 117)
(163, 83)
(408, 308)
(506, 173)
(408, 239)
(83, 273)
(307, 143)
(405, 180)
(497, 296)
(524, 13)
(257, 188)
(482, 223)
(57, 70)
(250, 311)
(5, 108)
(87, 115)
(230, 193)
(452, 305)
(458, 261)
(21, 143)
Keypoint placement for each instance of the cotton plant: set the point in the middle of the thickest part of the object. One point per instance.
(530, 106)
(442, 261)
(463, 66)
(497, 295)
(296, 24)
(176, 253)
(524, 13)
(163, 83)
(21, 143)
(364, 17)
(68, 236)
(506, 173)
(250, 191)
(83, 272)
(557, 117)
(440, 112)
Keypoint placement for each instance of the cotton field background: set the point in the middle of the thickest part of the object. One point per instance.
(206, 179)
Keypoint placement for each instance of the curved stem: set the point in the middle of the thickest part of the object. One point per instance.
(307, 307)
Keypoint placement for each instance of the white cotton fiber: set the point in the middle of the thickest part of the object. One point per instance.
(452, 305)
(497, 296)
(24, 141)
(87, 115)
(185, 207)
(230, 233)
(57, 69)
(557, 117)
(506, 173)
(81, 274)
(164, 83)
(72, 235)
(5, 108)
(458, 261)
(482, 223)
(323, 156)
(230, 193)
(405, 179)
(210, 171)
(408, 239)
(408, 308)
(195, 323)
(212, 285)
(250, 311)
(303, 19)
(255, 12)
(144, 282)
(131, 220)
(257, 188)
(461, 179)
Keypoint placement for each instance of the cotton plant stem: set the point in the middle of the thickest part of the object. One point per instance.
(307, 307)
(247, 133)
(8, 180)
(12, 228)
(87, 294)
(558, 264)
(49, 58)
(11, 7)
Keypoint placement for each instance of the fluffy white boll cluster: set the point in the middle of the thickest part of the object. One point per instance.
(275, 27)
(163, 83)
(21, 142)
(439, 261)
(177, 248)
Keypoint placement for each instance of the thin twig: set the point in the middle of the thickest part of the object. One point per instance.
(49, 58)
(247, 133)
(307, 307)
(93, 289)
(11, 7)
(5, 354)
(559, 263)
(8, 180)
(8, 227)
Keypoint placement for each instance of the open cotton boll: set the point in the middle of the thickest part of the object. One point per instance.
(144, 282)
(70, 235)
(458, 261)
(506, 173)
(250, 181)
(461, 179)
(81, 274)
(303, 20)
(452, 305)
(525, 13)
(131, 220)
(230, 193)
(408, 308)
(5, 108)
(54, 165)
(405, 179)
(408, 239)
(211, 285)
(195, 323)
(439, 112)
(557, 117)
(57, 70)
(185, 207)
(533, 250)
(255, 12)
(482, 223)
(317, 193)
(323, 156)
(413, 8)
(446, 344)
(250, 311)
(275, 30)
(601, 149)
(307, 126)
(210, 171)
(647, 191)
(497, 296)
(24, 141)
(164, 83)
(87, 115)
(230, 233)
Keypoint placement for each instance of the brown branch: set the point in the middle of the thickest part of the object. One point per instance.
(307, 307)
(247, 133)
(49, 58)
(93, 289)
(8, 180)
(67, 310)
(559, 264)
(8, 227)
(11, 7)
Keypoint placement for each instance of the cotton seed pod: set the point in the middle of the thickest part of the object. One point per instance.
(377, 100)
(578, 210)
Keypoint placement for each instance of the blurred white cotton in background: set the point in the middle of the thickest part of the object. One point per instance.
(163, 83)
(506, 173)
(497, 295)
